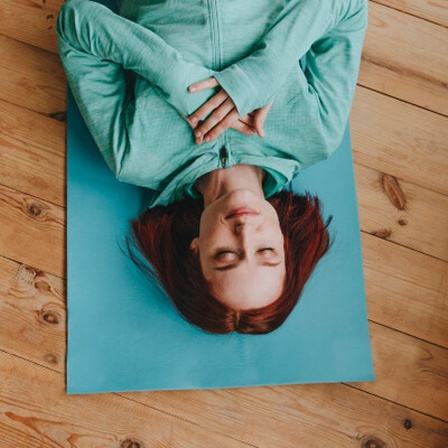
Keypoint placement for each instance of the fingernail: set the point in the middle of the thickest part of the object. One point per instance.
(194, 120)
(192, 89)
(197, 134)
(207, 139)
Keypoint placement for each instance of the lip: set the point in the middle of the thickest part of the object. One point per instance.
(241, 211)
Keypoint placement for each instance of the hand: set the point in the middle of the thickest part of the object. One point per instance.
(224, 115)
(243, 125)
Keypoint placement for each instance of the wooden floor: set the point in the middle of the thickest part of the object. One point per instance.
(400, 141)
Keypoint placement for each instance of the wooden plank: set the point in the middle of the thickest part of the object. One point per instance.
(31, 78)
(311, 416)
(8, 272)
(409, 371)
(434, 10)
(406, 57)
(402, 212)
(32, 150)
(35, 408)
(33, 314)
(31, 21)
(32, 231)
(37, 413)
(400, 139)
(406, 290)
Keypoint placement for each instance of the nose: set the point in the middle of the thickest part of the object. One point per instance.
(242, 227)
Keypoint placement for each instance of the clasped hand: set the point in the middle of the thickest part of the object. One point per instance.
(224, 115)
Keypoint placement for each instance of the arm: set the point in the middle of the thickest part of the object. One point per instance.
(116, 121)
(331, 32)
(93, 29)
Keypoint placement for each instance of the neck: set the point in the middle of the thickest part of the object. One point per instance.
(219, 182)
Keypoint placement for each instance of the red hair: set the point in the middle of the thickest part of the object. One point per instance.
(163, 235)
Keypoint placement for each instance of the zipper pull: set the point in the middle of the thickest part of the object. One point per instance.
(223, 155)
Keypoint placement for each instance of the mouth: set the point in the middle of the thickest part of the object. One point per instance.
(242, 211)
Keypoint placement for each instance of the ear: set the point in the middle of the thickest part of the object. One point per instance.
(194, 246)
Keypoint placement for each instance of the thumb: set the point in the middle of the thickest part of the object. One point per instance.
(259, 119)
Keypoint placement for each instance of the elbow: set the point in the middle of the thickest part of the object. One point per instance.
(72, 18)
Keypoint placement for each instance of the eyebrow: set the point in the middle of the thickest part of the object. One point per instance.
(235, 265)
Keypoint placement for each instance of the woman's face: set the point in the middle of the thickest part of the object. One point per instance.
(241, 251)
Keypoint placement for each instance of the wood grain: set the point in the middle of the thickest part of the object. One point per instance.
(406, 290)
(31, 21)
(32, 151)
(37, 410)
(421, 226)
(32, 231)
(31, 78)
(413, 373)
(33, 314)
(37, 413)
(311, 416)
(399, 132)
(412, 144)
(406, 57)
(434, 10)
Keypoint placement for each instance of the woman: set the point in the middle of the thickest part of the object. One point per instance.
(229, 259)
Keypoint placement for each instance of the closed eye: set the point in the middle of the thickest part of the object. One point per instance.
(226, 255)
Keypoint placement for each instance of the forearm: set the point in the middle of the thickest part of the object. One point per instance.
(334, 27)
(94, 29)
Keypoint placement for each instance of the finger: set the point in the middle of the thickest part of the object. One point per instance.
(202, 85)
(243, 128)
(214, 118)
(188, 121)
(260, 118)
(228, 121)
(248, 119)
(214, 102)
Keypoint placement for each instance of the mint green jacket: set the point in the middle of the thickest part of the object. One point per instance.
(129, 74)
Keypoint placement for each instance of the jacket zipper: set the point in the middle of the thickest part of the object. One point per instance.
(216, 35)
(217, 56)
(223, 155)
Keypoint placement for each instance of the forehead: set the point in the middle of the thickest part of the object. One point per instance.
(246, 286)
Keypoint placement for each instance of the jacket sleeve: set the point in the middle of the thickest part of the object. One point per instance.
(97, 34)
(331, 34)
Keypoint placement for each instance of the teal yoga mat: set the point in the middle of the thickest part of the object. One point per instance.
(124, 334)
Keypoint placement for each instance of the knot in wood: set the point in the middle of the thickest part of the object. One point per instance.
(382, 233)
(50, 358)
(34, 210)
(408, 424)
(393, 191)
(403, 222)
(49, 317)
(59, 115)
(373, 442)
(42, 286)
(131, 443)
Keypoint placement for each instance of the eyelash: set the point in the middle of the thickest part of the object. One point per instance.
(228, 251)
(222, 252)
